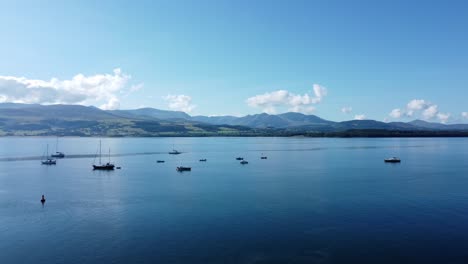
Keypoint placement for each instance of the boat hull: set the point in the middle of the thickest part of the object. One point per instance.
(60, 155)
(392, 161)
(183, 168)
(103, 167)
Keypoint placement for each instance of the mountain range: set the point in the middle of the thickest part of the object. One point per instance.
(35, 119)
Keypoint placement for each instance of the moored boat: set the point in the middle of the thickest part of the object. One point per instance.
(160, 161)
(174, 152)
(100, 166)
(48, 160)
(393, 160)
(107, 166)
(239, 158)
(182, 168)
(58, 154)
(243, 162)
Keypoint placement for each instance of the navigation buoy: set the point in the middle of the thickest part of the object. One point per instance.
(43, 199)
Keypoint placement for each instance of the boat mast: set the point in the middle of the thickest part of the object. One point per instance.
(47, 152)
(109, 155)
(99, 152)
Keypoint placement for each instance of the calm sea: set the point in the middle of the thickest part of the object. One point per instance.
(312, 201)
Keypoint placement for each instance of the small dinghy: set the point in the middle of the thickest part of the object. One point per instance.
(244, 162)
(160, 161)
(239, 158)
(203, 160)
(43, 199)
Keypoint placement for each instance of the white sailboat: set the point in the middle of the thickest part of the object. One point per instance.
(48, 160)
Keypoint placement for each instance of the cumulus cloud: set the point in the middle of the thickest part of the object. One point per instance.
(396, 113)
(443, 117)
(359, 117)
(420, 107)
(430, 112)
(346, 110)
(180, 102)
(269, 102)
(417, 104)
(99, 89)
(320, 92)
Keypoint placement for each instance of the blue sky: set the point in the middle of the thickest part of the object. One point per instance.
(210, 57)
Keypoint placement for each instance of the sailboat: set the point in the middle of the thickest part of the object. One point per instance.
(174, 151)
(100, 166)
(48, 160)
(57, 154)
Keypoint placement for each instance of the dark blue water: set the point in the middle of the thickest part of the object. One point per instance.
(311, 201)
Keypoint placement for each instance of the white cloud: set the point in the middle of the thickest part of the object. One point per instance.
(430, 112)
(180, 102)
(443, 117)
(112, 104)
(99, 89)
(320, 92)
(136, 88)
(396, 113)
(420, 107)
(269, 102)
(360, 117)
(464, 115)
(346, 110)
(417, 104)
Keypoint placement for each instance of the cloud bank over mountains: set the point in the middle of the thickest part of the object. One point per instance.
(101, 90)
(107, 90)
(422, 108)
(271, 101)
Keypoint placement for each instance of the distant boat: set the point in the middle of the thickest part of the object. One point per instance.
(100, 166)
(58, 154)
(239, 158)
(393, 160)
(263, 157)
(48, 160)
(203, 160)
(182, 168)
(244, 162)
(174, 151)
(160, 161)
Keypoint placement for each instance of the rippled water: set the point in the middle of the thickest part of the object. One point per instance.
(311, 201)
